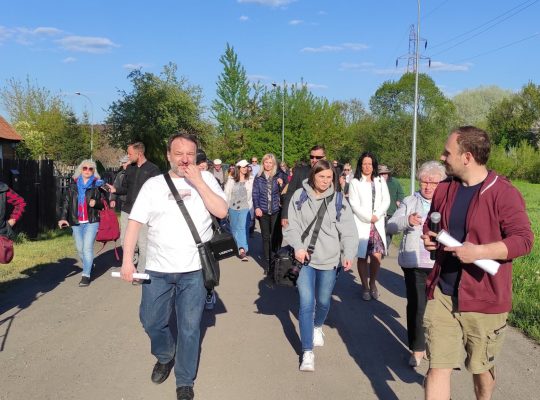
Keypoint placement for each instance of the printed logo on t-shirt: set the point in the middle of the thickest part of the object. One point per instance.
(184, 193)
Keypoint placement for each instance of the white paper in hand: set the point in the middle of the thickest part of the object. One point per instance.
(490, 266)
(136, 275)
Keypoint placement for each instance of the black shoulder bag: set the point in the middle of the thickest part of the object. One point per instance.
(222, 244)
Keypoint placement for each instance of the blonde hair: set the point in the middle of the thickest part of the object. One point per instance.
(87, 163)
(268, 156)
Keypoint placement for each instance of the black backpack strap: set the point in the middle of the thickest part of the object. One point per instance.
(183, 208)
(315, 235)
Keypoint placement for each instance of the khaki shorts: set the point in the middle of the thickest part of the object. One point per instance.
(449, 332)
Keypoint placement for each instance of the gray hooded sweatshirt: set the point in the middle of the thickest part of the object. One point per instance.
(336, 238)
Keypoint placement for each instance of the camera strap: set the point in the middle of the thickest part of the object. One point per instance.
(319, 219)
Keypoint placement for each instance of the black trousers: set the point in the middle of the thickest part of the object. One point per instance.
(271, 233)
(415, 285)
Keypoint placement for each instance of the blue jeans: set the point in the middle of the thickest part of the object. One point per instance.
(315, 288)
(240, 222)
(187, 293)
(85, 236)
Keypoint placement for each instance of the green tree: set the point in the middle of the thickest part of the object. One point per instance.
(517, 118)
(474, 105)
(39, 116)
(156, 107)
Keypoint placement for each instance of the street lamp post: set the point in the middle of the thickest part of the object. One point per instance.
(415, 117)
(91, 123)
(282, 120)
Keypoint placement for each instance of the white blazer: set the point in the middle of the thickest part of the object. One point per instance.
(361, 205)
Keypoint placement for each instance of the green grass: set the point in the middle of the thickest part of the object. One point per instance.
(48, 248)
(525, 313)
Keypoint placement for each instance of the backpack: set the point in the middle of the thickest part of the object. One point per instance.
(339, 202)
(109, 229)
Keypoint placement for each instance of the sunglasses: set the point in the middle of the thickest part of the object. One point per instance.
(85, 168)
(316, 157)
(346, 169)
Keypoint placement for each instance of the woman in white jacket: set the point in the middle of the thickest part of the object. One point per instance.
(369, 199)
(239, 193)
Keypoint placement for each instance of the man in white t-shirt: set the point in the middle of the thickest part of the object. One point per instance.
(173, 261)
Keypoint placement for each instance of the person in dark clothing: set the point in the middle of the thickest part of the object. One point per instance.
(8, 196)
(267, 189)
(80, 210)
(137, 173)
(118, 179)
(300, 173)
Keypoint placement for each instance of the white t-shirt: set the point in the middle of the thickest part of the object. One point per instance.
(171, 247)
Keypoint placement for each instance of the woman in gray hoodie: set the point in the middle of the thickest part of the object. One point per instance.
(413, 258)
(336, 244)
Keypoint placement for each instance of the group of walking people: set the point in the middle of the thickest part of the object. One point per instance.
(331, 219)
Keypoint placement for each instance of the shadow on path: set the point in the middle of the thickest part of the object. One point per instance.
(374, 337)
(281, 302)
(22, 292)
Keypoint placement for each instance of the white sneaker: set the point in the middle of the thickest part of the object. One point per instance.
(210, 301)
(318, 337)
(308, 362)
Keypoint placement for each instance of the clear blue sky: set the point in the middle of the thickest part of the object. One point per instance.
(343, 49)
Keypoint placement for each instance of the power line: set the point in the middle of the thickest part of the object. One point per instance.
(424, 17)
(520, 7)
(499, 48)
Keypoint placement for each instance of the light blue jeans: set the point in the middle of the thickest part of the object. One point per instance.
(240, 221)
(185, 293)
(315, 288)
(85, 236)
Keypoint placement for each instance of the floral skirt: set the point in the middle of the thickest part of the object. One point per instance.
(375, 243)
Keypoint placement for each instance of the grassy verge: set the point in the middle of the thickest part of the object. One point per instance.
(48, 248)
(525, 313)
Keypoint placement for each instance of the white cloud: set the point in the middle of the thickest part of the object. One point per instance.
(270, 3)
(244, 18)
(5, 33)
(322, 12)
(46, 30)
(335, 48)
(316, 86)
(296, 22)
(135, 65)
(87, 44)
(440, 66)
(389, 71)
(363, 66)
(256, 78)
(69, 60)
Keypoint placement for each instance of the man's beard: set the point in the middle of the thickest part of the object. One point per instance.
(177, 170)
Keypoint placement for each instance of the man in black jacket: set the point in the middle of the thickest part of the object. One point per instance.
(300, 173)
(137, 173)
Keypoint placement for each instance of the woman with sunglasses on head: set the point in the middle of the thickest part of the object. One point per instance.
(413, 258)
(82, 202)
(336, 244)
(239, 193)
(369, 199)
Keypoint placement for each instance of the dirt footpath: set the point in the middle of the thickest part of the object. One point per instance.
(59, 341)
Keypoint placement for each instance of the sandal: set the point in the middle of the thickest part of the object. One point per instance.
(366, 296)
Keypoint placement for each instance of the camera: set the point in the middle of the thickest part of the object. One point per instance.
(294, 271)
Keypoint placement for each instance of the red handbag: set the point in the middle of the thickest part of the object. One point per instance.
(6, 250)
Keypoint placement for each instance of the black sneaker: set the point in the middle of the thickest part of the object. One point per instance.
(185, 393)
(161, 371)
(85, 281)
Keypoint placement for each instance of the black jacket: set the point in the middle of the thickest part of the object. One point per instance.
(133, 182)
(70, 205)
(300, 173)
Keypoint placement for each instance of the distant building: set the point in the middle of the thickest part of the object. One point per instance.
(8, 139)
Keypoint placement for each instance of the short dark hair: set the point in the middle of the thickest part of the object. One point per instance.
(323, 165)
(475, 141)
(358, 172)
(182, 134)
(138, 146)
(318, 147)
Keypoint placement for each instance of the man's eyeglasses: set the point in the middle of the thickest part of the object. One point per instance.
(429, 184)
(85, 168)
(312, 157)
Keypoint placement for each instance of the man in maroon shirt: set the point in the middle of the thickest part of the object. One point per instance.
(8, 196)
(467, 307)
